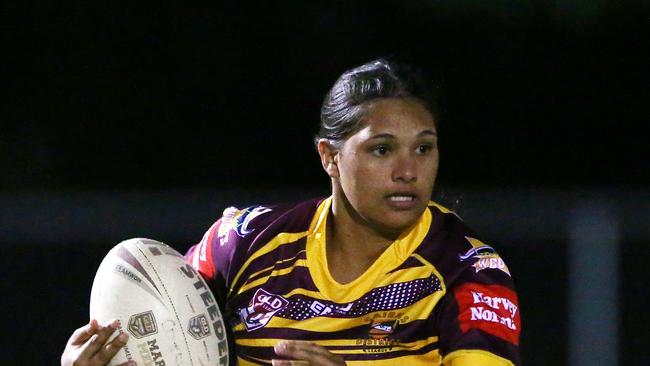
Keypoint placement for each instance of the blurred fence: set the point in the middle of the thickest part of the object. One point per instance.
(578, 258)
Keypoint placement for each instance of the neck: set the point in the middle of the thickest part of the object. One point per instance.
(347, 232)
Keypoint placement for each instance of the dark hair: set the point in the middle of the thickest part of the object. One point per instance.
(344, 105)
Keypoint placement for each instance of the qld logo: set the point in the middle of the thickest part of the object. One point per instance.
(261, 309)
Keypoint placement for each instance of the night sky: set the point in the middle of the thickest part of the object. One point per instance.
(206, 95)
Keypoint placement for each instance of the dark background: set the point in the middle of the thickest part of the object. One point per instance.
(214, 95)
(129, 97)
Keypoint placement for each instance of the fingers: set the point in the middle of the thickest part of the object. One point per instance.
(109, 351)
(89, 345)
(276, 362)
(305, 353)
(83, 334)
(96, 343)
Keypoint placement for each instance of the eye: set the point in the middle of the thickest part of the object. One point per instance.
(424, 148)
(380, 150)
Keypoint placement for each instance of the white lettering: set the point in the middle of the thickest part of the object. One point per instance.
(478, 297)
(480, 313)
(320, 308)
(494, 302)
(477, 313)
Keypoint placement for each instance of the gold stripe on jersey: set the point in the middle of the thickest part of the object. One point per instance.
(407, 346)
(430, 358)
(427, 359)
(392, 257)
(242, 362)
(475, 242)
(398, 347)
(277, 241)
(301, 291)
(253, 275)
(278, 272)
(467, 357)
(442, 208)
(250, 284)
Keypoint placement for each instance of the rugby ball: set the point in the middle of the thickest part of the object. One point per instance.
(163, 304)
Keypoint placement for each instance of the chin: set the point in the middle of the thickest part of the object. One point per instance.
(395, 225)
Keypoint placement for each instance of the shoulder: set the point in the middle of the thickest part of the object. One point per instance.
(455, 248)
(245, 225)
(240, 230)
(480, 312)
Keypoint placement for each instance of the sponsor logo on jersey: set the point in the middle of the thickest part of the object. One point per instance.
(238, 221)
(477, 252)
(319, 308)
(261, 309)
(143, 324)
(490, 261)
(486, 257)
(382, 326)
(490, 308)
(199, 327)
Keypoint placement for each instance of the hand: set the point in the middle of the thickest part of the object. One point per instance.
(305, 353)
(88, 347)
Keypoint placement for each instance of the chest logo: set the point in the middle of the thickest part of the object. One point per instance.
(261, 309)
(382, 328)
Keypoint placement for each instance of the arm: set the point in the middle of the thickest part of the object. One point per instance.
(479, 316)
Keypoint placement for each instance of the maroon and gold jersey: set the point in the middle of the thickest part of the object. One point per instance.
(437, 295)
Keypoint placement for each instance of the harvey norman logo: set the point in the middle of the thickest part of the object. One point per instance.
(490, 308)
(489, 312)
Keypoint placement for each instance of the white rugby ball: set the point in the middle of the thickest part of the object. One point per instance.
(163, 304)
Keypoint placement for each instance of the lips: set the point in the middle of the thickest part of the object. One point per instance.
(402, 200)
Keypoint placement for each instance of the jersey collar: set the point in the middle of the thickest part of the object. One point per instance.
(392, 257)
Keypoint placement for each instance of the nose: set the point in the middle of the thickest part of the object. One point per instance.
(405, 169)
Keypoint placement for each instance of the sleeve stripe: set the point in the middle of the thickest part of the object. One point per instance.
(280, 239)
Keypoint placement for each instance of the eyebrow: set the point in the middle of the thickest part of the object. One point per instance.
(390, 136)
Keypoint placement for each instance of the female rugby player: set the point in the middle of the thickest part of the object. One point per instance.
(374, 274)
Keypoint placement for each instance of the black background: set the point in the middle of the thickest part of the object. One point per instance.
(210, 95)
(139, 96)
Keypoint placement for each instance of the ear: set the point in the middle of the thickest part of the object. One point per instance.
(328, 157)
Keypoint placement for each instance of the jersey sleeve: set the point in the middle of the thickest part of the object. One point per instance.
(215, 256)
(479, 315)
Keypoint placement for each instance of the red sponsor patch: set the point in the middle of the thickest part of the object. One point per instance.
(493, 309)
(201, 256)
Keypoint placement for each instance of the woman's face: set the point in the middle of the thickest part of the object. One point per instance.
(386, 170)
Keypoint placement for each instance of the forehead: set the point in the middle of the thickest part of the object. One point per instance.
(396, 116)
